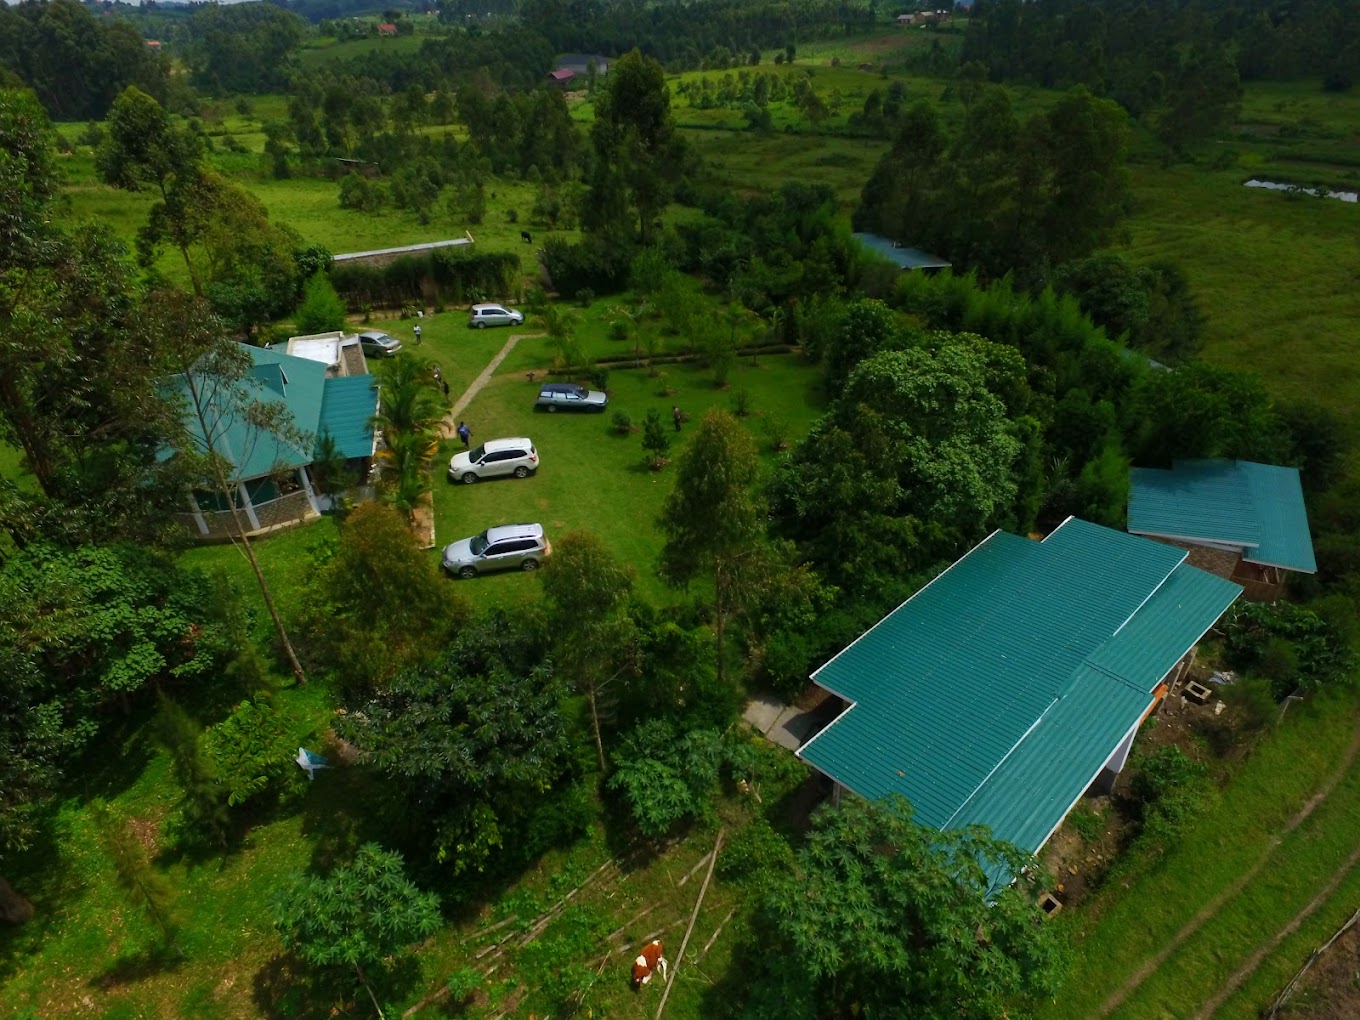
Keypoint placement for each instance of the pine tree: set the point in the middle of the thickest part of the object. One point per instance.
(205, 802)
(321, 310)
(655, 440)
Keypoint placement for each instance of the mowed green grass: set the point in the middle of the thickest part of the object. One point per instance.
(1131, 920)
(595, 480)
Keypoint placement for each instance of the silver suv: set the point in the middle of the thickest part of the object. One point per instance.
(496, 458)
(493, 315)
(507, 547)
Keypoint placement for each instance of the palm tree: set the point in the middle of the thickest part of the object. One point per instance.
(410, 402)
(409, 416)
(406, 459)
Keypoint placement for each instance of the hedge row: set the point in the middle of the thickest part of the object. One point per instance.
(444, 276)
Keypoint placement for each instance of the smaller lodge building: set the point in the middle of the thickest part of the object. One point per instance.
(1240, 520)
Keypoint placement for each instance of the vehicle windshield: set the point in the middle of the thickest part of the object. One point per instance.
(478, 544)
(476, 455)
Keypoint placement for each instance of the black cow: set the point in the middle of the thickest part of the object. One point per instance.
(524, 236)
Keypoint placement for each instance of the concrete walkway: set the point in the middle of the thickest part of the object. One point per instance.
(786, 725)
(450, 423)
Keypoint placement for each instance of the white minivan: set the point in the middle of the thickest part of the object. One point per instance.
(494, 315)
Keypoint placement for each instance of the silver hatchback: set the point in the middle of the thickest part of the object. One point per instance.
(496, 458)
(507, 547)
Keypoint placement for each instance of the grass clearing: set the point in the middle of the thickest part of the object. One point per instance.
(591, 477)
(1276, 277)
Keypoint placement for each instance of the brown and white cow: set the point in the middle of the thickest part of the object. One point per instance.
(650, 959)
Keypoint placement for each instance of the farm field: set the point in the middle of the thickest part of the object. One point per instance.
(1276, 277)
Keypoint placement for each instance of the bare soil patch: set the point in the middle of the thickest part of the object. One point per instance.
(1331, 989)
(1079, 867)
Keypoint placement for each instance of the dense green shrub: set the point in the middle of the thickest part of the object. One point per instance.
(456, 277)
(321, 309)
(592, 265)
(1293, 646)
(666, 776)
(1170, 790)
(754, 854)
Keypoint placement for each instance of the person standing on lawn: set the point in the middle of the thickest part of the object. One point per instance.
(676, 416)
(417, 335)
(465, 434)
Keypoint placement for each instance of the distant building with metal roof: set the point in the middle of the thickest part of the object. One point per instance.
(1002, 690)
(383, 256)
(1241, 520)
(903, 256)
(581, 63)
(268, 470)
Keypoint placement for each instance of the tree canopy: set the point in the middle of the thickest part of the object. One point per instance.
(1002, 196)
(914, 460)
(473, 736)
(75, 61)
(883, 916)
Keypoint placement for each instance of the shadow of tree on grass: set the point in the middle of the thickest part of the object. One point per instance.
(138, 966)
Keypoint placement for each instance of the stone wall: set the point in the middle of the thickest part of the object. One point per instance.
(284, 510)
(289, 509)
(1215, 561)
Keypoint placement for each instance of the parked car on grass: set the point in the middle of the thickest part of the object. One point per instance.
(506, 547)
(493, 315)
(376, 344)
(570, 397)
(496, 458)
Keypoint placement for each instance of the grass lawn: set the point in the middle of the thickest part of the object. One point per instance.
(590, 477)
(1133, 917)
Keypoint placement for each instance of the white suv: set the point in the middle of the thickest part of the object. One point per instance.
(510, 546)
(496, 458)
(493, 315)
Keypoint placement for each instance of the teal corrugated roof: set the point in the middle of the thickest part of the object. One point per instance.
(1172, 619)
(963, 696)
(1255, 508)
(900, 255)
(348, 405)
(274, 378)
(1277, 494)
(1073, 739)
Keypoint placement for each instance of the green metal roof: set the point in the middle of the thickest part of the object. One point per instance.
(996, 693)
(1255, 508)
(274, 378)
(348, 405)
